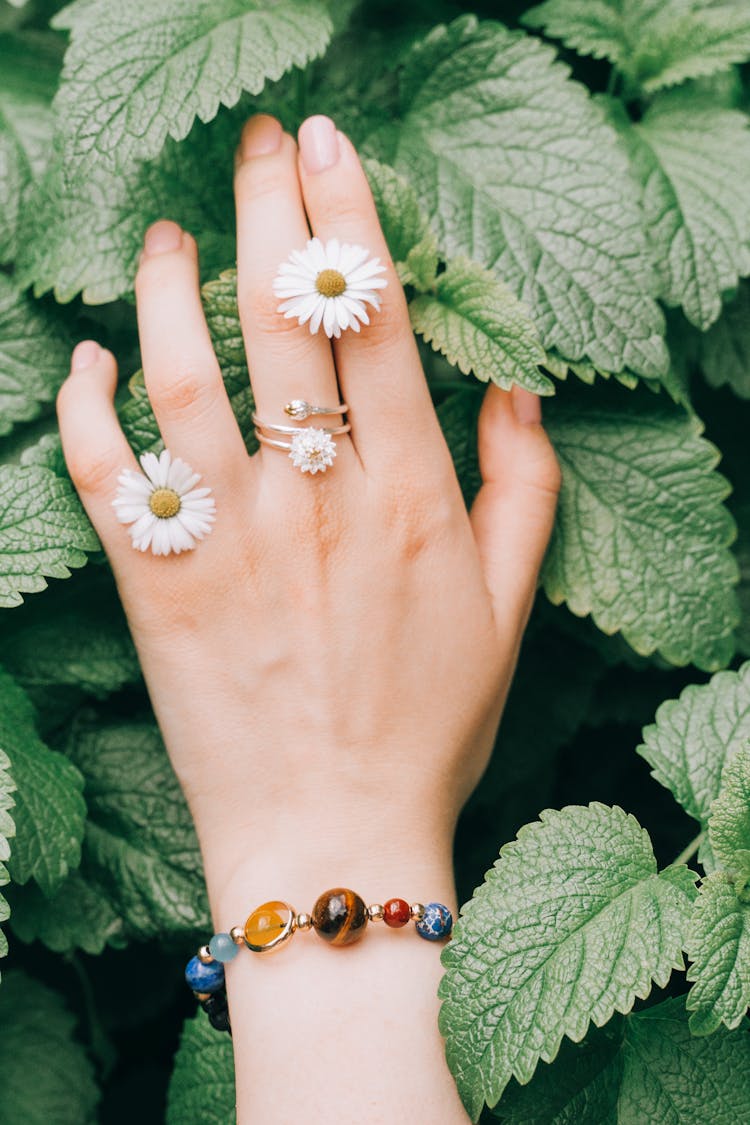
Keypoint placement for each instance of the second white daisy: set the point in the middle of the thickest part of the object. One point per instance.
(164, 508)
(329, 285)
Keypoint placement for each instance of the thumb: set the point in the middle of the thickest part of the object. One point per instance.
(514, 511)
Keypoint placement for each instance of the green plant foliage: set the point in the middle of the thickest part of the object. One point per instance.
(138, 73)
(202, 1086)
(491, 181)
(646, 1068)
(572, 924)
(477, 323)
(580, 228)
(140, 847)
(629, 466)
(698, 223)
(7, 830)
(693, 738)
(49, 808)
(653, 43)
(46, 1074)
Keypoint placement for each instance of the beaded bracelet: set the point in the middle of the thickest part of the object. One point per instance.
(339, 916)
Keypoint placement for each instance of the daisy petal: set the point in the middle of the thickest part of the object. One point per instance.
(329, 318)
(317, 316)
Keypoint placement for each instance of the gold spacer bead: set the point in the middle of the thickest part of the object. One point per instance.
(303, 922)
(375, 912)
(202, 995)
(416, 910)
(204, 955)
(237, 934)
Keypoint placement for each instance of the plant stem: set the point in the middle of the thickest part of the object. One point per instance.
(101, 1045)
(688, 852)
(614, 74)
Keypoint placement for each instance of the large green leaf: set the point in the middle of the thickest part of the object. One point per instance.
(719, 947)
(44, 531)
(87, 236)
(202, 1084)
(654, 43)
(572, 924)
(34, 356)
(458, 415)
(28, 79)
(646, 1069)
(410, 239)
(692, 160)
(49, 808)
(725, 348)
(139, 72)
(478, 324)
(694, 736)
(7, 830)
(641, 535)
(140, 847)
(518, 170)
(47, 1076)
(729, 823)
(77, 916)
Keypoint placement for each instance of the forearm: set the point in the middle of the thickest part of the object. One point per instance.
(316, 1027)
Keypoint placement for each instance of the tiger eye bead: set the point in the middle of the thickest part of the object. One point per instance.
(340, 916)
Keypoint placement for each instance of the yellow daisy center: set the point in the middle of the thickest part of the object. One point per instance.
(330, 283)
(164, 503)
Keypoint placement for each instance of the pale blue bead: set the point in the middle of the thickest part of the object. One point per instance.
(436, 923)
(222, 948)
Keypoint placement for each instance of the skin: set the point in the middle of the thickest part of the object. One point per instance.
(328, 667)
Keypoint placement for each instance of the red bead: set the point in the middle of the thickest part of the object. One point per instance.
(397, 912)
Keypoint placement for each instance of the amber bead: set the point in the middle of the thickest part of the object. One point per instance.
(340, 916)
(269, 925)
(397, 912)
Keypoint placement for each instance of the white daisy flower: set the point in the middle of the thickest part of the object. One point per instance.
(312, 450)
(164, 508)
(329, 285)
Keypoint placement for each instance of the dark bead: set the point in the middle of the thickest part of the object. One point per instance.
(217, 1010)
(204, 977)
(397, 912)
(340, 916)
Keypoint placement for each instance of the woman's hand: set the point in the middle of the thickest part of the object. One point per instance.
(328, 667)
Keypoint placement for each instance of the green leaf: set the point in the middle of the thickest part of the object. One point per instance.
(725, 348)
(76, 635)
(641, 534)
(572, 924)
(28, 79)
(474, 320)
(411, 241)
(44, 531)
(729, 823)
(517, 169)
(34, 356)
(140, 847)
(7, 830)
(694, 736)
(202, 1084)
(49, 809)
(742, 549)
(77, 916)
(137, 73)
(458, 415)
(719, 947)
(87, 237)
(692, 160)
(47, 1076)
(646, 1068)
(653, 44)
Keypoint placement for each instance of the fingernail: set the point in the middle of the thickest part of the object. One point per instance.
(162, 237)
(318, 143)
(84, 355)
(527, 406)
(261, 136)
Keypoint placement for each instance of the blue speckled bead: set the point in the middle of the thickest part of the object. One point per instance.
(204, 978)
(222, 948)
(436, 923)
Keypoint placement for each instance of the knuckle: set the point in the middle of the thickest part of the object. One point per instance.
(416, 516)
(93, 472)
(256, 180)
(188, 393)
